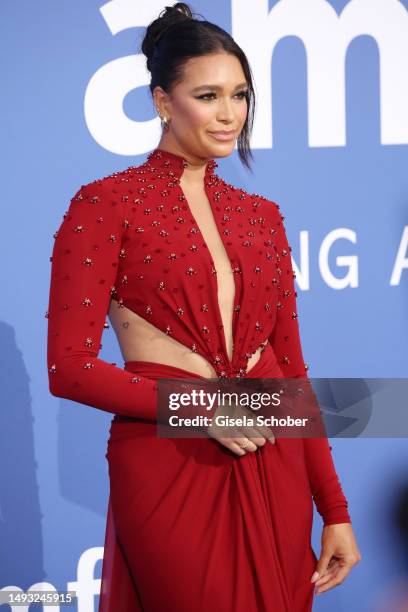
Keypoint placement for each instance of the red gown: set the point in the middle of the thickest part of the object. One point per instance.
(191, 526)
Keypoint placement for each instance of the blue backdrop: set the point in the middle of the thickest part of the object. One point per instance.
(330, 144)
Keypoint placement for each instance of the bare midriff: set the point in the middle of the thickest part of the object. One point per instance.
(139, 340)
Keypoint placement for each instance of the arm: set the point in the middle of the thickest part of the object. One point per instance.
(285, 339)
(84, 266)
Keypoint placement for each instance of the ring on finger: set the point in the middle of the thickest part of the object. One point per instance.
(246, 444)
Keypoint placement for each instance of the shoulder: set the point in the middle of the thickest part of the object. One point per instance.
(108, 196)
(259, 202)
(112, 185)
(100, 202)
(119, 185)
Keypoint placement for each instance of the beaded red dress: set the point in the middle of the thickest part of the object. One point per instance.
(191, 526)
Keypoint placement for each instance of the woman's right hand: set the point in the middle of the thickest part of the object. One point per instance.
(234, 436)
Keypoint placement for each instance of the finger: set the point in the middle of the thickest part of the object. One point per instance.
(246, 432)
(251, 432)
(238, 440)
(267, 433)
(322, 565)
(339, 577)
(231, 446)
(332, 568)
(329, 575)
(236, 448)
(257, 440)
(258, 433)
(247, 442)
(227, 441)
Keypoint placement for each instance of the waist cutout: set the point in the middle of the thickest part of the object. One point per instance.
(266, 367)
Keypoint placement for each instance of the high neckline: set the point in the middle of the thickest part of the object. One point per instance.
(176, 163)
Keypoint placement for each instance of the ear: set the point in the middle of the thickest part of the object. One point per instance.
(160, 100)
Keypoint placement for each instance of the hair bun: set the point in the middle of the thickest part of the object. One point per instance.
(169, 16)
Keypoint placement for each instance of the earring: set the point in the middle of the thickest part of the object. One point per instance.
(164, 123)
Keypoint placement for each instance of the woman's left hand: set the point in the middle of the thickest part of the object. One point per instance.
(338, 555)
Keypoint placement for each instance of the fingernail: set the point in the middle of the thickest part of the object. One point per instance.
(314, 577)
(271, 440)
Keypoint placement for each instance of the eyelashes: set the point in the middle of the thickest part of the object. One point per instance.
(242, 94)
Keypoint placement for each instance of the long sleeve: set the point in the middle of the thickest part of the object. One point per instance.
(85, 260)
(285, 339)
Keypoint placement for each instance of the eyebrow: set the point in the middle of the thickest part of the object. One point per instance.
(217, 87)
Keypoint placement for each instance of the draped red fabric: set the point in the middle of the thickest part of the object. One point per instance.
(201, 528)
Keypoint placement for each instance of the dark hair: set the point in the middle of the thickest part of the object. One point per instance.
(176, 36)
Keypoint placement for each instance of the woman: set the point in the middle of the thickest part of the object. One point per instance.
(196, 277)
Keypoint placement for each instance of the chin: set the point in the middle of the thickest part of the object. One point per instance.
(221, 149)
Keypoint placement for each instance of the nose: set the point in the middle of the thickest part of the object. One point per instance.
(225, 110)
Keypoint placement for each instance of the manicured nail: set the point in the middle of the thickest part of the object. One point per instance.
(314, 577)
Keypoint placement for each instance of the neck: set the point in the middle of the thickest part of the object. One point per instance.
(175, 163)
(196, 168)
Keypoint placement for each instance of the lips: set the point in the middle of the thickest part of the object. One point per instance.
(223, 135)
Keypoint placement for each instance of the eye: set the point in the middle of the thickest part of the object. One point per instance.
(204, 96)
(241, 95)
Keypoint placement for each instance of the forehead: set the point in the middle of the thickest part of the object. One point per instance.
(221, 69)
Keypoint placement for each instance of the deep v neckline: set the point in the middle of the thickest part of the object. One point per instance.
(209, 176)
(215, 273)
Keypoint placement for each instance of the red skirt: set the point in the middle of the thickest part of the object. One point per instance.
(192, 527)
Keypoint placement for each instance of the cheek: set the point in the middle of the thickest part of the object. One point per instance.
(198, 115)
(242, 113)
